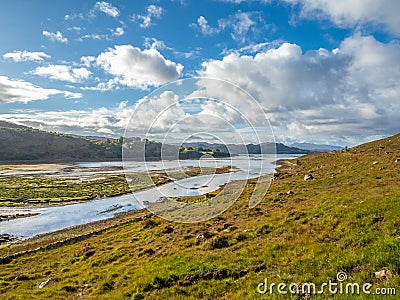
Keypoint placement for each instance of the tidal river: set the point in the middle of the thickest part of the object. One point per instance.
(54, 218)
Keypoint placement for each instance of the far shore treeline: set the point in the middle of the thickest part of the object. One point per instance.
(25, 144)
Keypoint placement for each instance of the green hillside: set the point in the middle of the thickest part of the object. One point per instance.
(22, 143)
(345, 219)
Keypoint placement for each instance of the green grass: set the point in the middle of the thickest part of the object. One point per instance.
(346, 219)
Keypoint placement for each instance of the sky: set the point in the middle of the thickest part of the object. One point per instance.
(301, 70)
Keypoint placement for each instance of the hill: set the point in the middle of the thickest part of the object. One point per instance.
(345, 219)
(22, 143)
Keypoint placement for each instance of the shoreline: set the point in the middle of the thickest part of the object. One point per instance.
(16, 247)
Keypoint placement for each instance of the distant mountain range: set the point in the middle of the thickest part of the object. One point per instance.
(316, 147)
(264, 148)
(22, 143)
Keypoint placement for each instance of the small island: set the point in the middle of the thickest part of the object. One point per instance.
(196, 153)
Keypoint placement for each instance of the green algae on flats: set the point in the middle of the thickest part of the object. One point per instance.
(36, 190)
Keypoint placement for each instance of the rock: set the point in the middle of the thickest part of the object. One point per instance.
(43, 284)
(397, 160)
(308, 177)
(290, 192)
(375, 162)
(383, 274)
(200, 237)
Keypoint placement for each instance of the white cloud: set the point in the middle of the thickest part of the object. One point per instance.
(19, 56)
(240, 1)
(57, 36)
(74, 17)
(152, 12)
(63, 72)
(95, 36)
(88, 60)
(353, 90)
(75, 28)
(106, 8)
(100, 121)
(119, 31)
(241, 24)
(23, 91)
(202, 25)
(254, 48)
(101, 86)
(155, 114)
(138, 68)
(153, 43)
(349, 13)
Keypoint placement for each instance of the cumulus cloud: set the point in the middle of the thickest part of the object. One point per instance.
(23, 91)
(55, 36)
(19, 56)
(63, 72)
(352, 90)
(348, 13)
(106, 8)
(138, 68)
(88, 60)
(155, 114)
(152, 12)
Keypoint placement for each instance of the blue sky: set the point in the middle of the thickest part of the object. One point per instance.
(322, 71)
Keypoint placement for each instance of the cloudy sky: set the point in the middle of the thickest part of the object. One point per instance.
(320, 70)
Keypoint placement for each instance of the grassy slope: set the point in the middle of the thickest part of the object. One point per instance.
(346, 219)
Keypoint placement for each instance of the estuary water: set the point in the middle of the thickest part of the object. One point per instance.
(54, 218)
